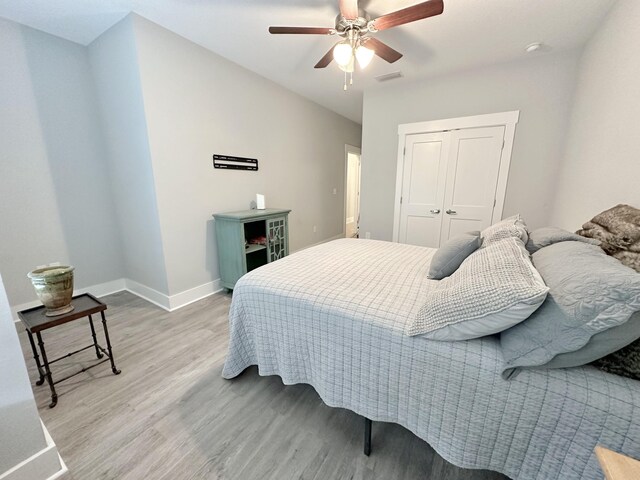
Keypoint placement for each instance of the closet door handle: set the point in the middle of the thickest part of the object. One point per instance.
(435, 210)
(451, 212)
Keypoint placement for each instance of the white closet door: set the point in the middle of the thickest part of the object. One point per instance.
(423, 188)
(472, 177)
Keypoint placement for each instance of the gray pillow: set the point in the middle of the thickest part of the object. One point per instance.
(450, 255)
(543, 237)
(590, 293)
(600, 345)
(495, 288)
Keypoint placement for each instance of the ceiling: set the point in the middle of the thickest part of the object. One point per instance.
(469, 34)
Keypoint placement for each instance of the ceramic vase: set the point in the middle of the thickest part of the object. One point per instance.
(54, 287)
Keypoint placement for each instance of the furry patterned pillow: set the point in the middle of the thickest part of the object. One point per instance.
(624, 362)
(619, 231)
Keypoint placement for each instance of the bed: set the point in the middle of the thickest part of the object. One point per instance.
(333, 316)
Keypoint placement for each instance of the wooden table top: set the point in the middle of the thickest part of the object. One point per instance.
(35, 320)
(617, 466)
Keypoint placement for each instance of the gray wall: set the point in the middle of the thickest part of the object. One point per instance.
(106, 156)
(198, 104)
(55, 203)
(114, 61)
(20, 430)
(540, 87)
(601, 166)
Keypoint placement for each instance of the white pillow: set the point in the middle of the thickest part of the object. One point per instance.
(509, 227)
(495, 288)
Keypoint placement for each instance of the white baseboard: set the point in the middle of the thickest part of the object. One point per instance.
(183, 299)
(167, 302)
(336, 237)
(103, 289)
(173, 302)
(43, 465)
(63, 466)
(148, 293)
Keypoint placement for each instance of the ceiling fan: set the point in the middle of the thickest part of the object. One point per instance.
(356, 28)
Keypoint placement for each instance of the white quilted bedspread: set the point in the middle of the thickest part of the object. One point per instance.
(333, 316)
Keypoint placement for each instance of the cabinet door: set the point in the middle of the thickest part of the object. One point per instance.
(231, 251)
(277, 238)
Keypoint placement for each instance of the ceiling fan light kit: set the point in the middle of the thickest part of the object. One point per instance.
(364, 56)
(343, 53)
(357, 28)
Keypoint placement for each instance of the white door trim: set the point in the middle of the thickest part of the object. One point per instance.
(347, 149)
(508, 119)
(488, 120)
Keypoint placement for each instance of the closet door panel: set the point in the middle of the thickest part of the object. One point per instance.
(422, 231)
(472, 177)
(423, 185)
(423, 167)
(456, 226)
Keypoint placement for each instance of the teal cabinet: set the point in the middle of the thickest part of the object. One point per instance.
(249, 239)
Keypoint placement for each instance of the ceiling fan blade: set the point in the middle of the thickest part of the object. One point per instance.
(302, 30)
(383, 50)
(409, 14)
(326, 60)
(349, 9)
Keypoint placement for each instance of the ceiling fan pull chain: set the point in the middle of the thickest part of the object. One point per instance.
(345, 82)
(351, 78)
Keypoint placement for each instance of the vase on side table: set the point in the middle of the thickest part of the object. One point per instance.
(54, 287)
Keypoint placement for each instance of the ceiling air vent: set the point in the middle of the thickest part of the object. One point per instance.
(388, 76)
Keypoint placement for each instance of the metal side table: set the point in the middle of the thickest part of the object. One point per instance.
(35, 322)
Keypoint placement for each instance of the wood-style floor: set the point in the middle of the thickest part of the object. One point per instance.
(170, 415)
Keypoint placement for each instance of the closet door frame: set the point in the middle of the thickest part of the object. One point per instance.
(506, 119)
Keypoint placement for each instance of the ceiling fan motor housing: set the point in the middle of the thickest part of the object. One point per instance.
(343, 25)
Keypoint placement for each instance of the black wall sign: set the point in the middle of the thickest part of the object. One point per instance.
(235, 163)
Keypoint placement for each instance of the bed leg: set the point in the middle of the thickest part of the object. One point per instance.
(367, 437)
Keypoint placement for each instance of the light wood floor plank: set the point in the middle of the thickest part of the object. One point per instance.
(171, 416)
